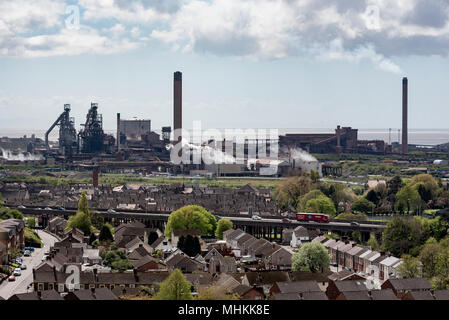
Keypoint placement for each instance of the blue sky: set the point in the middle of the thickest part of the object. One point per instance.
(245, 64)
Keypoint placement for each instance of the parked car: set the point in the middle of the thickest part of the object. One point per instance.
(19, 260)
(27, 253)
(48, 208)
(21, 207)
(61, 208)
(112, 211)
(17, 272)
(30, 249)
(44, 258)
(23, 267)
(38, 208)
(11, 278)
(256, 217)
(287, 220)
(353, 223)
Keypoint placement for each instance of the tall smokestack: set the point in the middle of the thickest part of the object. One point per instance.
(404, 116)
(118, 131)
(177, 104)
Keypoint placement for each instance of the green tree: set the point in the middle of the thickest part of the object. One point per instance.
(82, 218)
(288, 191)
(429, 182)
(152, 236)
(428, 258)
(363, 205)
(373, 197)
(373, 243)
(175, 287)
(105, 234)
(312, 256)
(191, 217)
(441, 279)
(321, 204)
(83, 205)
(30, 222)
(409, 198)
(92, 238)
(409, 268)
(222, 226)
(97, 220)
(215, 293)
(302, 200)
(314, 176)
(401, 235)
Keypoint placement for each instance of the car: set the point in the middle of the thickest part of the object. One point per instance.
(19, 260)
(23, 267)
(61, 209)
(11, 278)
(38, 208)
(256, 217)
(112, 211)
(48, 208)
(27, 253)
(44, 258)
(17, 272)
(287, 220)
(353, 223)
(218, 217)
(334, 264)
(31, 249)
(21, 207)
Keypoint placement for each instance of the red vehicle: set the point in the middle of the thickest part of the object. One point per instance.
(317, 217)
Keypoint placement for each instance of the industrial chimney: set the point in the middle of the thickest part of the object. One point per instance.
(404, 116)
(118, 131)
(177, 104)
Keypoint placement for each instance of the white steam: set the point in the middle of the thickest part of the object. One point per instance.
(19, 156)
(299, 154)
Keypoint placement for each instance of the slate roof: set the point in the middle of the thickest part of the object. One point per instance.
(94, 294)
(42, 295)
(411, 284)
(298, 286)
(351, 285)
(386, 294)
(441, 294)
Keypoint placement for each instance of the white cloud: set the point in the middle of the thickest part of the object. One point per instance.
(377, 30)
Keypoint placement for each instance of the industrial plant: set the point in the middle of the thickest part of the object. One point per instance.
(136, 147)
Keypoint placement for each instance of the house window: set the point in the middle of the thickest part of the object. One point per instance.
(132, 285)
(101, 286)
(40, 286)
(112, 286)
(61, 287)
(51, 286)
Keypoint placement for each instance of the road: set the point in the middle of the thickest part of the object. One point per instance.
(7, 289)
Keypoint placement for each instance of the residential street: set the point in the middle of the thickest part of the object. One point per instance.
(22, 282)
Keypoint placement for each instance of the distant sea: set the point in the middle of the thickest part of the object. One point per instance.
(416, 136)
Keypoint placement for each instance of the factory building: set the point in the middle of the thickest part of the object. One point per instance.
(344, 140)
(133, 130)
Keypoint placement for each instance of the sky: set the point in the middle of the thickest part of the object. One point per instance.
(245, 63)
